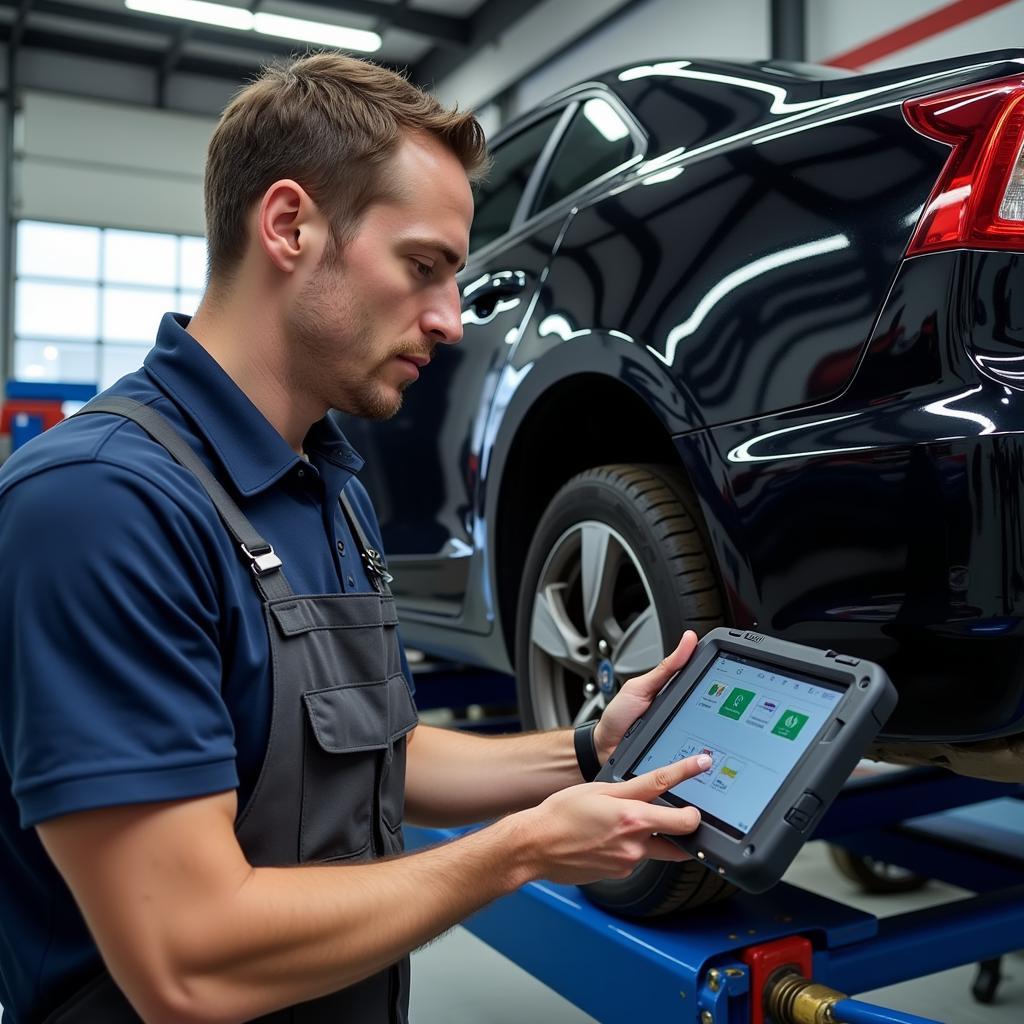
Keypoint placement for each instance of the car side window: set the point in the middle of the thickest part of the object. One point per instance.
(498, 196)
(597, 140)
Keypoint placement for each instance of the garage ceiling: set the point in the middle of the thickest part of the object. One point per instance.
(429, 37)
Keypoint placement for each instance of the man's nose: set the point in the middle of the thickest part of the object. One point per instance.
(443, 320)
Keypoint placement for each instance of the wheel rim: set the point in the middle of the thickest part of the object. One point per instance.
(594, 625)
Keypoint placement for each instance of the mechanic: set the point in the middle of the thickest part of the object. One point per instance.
(179, 730)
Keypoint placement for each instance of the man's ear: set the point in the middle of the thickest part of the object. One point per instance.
(290, 227)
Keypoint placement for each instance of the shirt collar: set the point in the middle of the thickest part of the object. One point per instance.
(254, 454)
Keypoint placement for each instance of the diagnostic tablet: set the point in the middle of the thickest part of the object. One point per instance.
(784, 725)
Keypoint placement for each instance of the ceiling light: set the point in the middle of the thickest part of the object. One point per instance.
(317, 32)
(195, 10)
(277, 25)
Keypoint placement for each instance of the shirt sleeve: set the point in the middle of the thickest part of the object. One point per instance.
(110, 664)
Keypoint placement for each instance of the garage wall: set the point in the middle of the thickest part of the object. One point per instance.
(125, 83)
(546, 31)
(558, 44)
(115, 165)
(876, 34)
(737, 29)
(869, 34)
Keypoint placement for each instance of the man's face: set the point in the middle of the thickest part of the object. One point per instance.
(365, 324)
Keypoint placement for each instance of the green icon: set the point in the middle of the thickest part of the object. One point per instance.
(736, 703)
(789, 725)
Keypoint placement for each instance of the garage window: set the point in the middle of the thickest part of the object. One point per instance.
(597, 141)
(498, 197)
(88, 300)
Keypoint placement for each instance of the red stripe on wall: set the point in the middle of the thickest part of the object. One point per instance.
(914, 32)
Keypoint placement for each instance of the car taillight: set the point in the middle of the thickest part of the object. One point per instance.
(978, 201)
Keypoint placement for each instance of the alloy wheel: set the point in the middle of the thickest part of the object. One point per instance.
(594, 625)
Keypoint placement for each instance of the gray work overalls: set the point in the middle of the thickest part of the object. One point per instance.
(332, 785)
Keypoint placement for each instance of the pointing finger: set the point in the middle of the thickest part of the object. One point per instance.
(653, 783)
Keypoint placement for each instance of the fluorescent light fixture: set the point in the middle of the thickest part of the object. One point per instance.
(604, 118)
(265, 24)
(317, 32)
(195, 10)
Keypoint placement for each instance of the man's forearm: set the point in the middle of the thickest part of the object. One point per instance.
(454, 778)
(194, 935)
(288, 935)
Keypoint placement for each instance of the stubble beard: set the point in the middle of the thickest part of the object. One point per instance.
(332, 338)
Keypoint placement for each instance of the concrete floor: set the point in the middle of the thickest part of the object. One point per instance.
(460, 980)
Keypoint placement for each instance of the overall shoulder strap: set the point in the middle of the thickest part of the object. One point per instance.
(373, 560)
(267, 568)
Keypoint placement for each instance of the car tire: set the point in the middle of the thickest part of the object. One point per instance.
(650, 577)
(875, 876)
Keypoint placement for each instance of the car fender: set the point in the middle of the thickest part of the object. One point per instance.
(633, 396)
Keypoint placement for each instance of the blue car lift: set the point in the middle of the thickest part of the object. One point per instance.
(788, 956)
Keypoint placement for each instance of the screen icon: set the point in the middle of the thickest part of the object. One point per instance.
(789, 725)
(726, 776)
(736, 703)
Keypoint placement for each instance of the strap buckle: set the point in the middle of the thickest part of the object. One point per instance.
(262, 561)
(376, 566)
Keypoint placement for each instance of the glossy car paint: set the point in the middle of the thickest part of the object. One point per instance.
(888, 523)
(735, 300)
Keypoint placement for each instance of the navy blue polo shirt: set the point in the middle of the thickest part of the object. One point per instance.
(134, 657)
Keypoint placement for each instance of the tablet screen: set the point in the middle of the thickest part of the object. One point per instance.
(755, 720)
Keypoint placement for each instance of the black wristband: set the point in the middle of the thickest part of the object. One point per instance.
(586, 751)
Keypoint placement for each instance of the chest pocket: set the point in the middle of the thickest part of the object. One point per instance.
(335, 760)
(353, 787)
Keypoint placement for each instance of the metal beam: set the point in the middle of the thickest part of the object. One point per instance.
(789, 30)
(170, 61)
(66, 42)
(490, 20)
(87, 47)
(164, 27)
(18, 27)
(175, 52)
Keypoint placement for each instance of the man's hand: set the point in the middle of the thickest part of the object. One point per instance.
(604, 830)
(636, 695)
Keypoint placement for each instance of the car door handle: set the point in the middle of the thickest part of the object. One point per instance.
(482, 294)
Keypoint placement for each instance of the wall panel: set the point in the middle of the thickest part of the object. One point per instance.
(114, 165)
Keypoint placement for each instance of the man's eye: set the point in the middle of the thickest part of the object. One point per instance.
(423, 269)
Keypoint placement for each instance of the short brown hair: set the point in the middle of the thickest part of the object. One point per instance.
(329, 122)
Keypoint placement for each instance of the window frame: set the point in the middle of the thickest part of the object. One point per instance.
(507, 135)
(570, 101)
(639, 149)
(101, 286)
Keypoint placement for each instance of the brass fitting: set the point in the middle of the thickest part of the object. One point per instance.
(792, 999)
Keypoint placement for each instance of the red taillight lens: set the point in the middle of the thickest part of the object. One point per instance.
(978, 201)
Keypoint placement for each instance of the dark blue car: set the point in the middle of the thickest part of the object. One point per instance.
(744, 344)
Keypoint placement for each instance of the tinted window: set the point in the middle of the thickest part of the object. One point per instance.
(498, 197)
(597, 140)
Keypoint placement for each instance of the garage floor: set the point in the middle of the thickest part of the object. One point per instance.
(460, 980)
